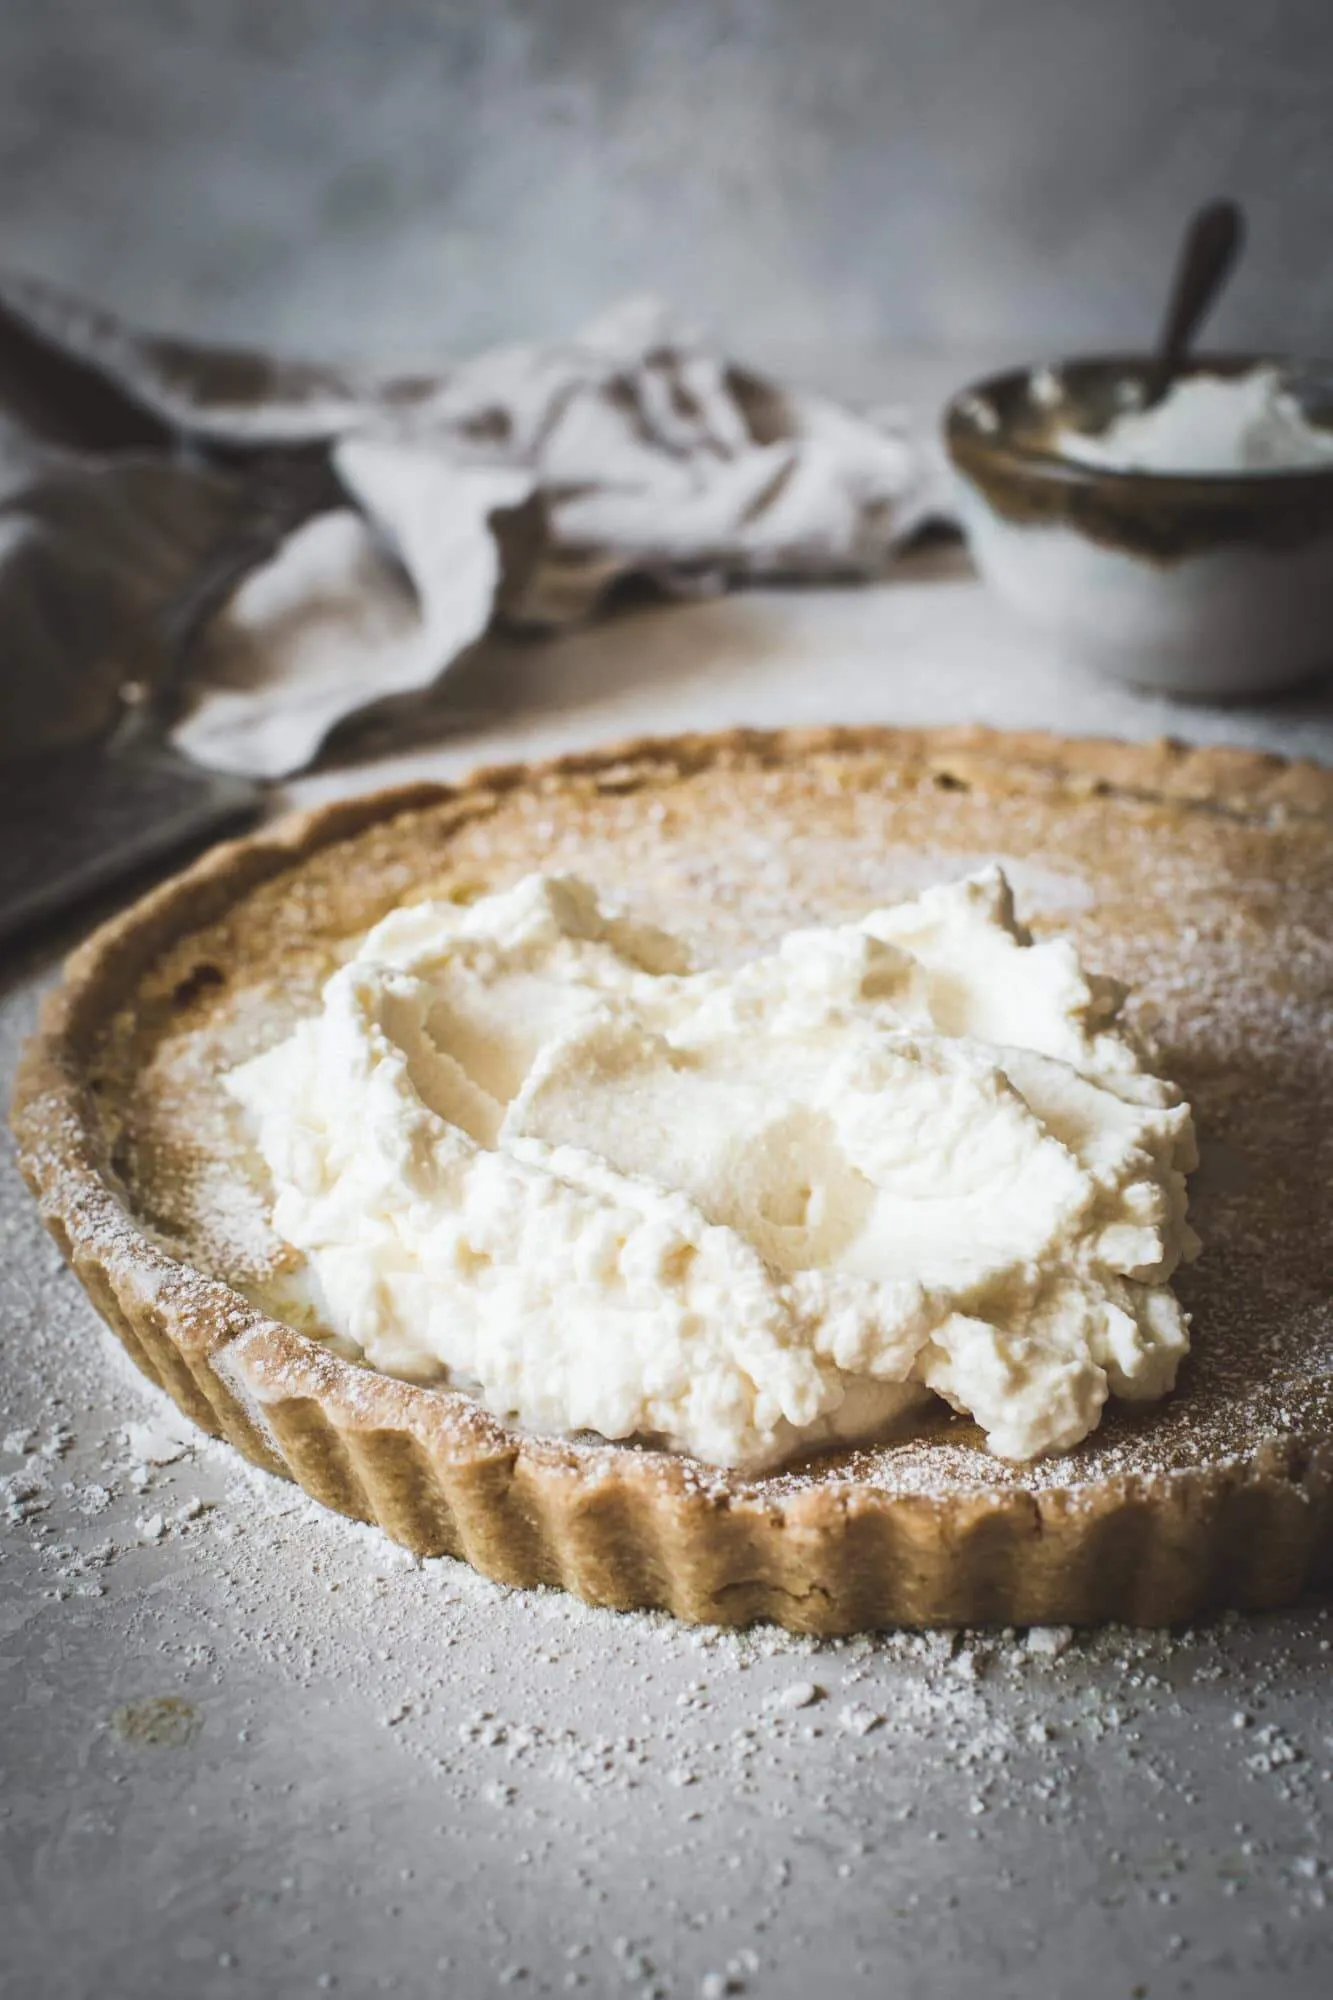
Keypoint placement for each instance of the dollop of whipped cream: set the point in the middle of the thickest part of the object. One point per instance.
(1209, 424)
(742, 1214)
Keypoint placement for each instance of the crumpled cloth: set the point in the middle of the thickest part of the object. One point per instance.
(263, 548)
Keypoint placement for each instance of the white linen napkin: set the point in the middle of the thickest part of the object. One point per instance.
(269, 548)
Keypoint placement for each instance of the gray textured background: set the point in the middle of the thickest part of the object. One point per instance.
(416, 175)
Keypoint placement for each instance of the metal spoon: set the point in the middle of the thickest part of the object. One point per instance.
(1208, 252)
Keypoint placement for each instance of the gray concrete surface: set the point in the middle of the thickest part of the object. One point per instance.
(247, 1749)
(418, 177)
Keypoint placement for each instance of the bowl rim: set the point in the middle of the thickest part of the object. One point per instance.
(1004, 453)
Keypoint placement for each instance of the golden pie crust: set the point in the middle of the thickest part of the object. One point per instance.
(1203, 877)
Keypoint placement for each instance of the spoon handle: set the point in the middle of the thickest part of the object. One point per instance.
(1212, 243)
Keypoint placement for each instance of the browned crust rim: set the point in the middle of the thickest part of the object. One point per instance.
(633, 1529)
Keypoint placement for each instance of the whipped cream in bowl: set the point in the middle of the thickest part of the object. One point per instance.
(527, 1149)
(1185, 546)
(1206, 425)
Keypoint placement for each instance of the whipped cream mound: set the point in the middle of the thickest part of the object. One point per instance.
(742, 1214)
(1209, 424)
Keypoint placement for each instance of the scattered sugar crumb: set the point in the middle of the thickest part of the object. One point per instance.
(858, 1719)
(798, 1694)
(1049, 1641)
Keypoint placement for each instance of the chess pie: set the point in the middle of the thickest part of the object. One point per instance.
(1201, 879)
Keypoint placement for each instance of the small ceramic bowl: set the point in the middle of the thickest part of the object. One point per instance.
(1196, 584)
